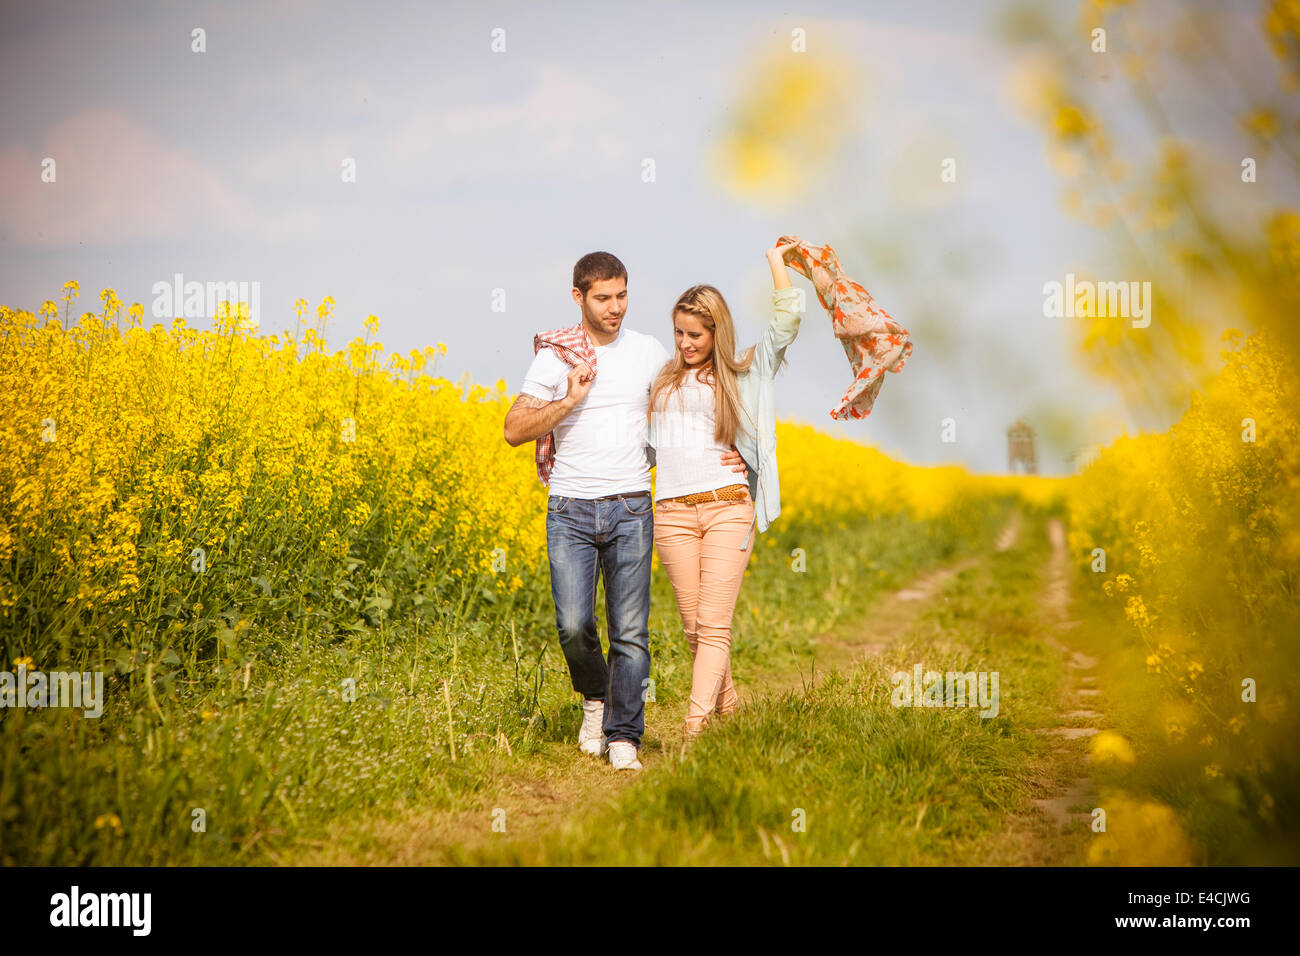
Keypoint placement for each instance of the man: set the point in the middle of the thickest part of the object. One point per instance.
(599, 514)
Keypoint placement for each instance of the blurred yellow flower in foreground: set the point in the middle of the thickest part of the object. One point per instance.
(1136, 611)
(786, 127)
(1140, 833)
(1110, 747)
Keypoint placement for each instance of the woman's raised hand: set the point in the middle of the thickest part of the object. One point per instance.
(776, 259)
(777, 252)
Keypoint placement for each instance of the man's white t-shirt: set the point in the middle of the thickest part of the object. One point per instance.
(600, 446)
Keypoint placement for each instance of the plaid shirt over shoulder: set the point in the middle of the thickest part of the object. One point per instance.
(573, 346)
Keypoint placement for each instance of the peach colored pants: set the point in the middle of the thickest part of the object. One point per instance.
(699, 547)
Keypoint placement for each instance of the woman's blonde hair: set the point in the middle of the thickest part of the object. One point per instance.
(707, 304)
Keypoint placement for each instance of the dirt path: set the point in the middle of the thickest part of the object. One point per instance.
(1068, 793)
(892, 616)
(537, 795)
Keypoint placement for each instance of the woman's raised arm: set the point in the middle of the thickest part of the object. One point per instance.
(785, 318)
(776, 259)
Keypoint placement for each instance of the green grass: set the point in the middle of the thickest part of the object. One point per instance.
(1247, 812)
(874, 783)
(257, 734)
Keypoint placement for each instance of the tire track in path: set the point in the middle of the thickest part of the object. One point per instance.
(1078, 718)
(895, 614)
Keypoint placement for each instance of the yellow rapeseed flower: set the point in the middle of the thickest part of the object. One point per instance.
(1140, 833)
(1111, 747)
(1136, 612)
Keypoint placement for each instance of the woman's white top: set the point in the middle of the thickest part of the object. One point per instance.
(687, 457)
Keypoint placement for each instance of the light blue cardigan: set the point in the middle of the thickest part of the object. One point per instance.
(757, 446)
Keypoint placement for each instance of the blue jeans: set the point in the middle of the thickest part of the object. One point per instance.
(612, 537)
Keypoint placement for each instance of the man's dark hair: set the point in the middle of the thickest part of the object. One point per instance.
(596, 267)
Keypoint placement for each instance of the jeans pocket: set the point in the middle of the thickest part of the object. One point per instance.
(555, 504)
(638, 507)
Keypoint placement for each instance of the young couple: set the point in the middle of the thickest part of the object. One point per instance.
(608, 403)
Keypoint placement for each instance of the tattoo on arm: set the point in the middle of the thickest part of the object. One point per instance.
(530, 401)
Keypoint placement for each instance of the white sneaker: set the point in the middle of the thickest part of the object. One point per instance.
(591, 735)
(622, 755)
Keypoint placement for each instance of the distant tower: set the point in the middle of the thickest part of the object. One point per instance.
(1020, 447)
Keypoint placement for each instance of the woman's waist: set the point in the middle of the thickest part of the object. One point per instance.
(677, 475)
(731, 491)
(702, 467)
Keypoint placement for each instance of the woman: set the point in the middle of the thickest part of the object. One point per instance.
(704, 400)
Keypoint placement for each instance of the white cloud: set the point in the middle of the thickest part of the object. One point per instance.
(558, 114)
(119, 181)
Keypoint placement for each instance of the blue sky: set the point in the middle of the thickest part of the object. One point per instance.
(479, 171)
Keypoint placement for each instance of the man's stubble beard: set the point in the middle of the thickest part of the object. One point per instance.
(598, 322)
